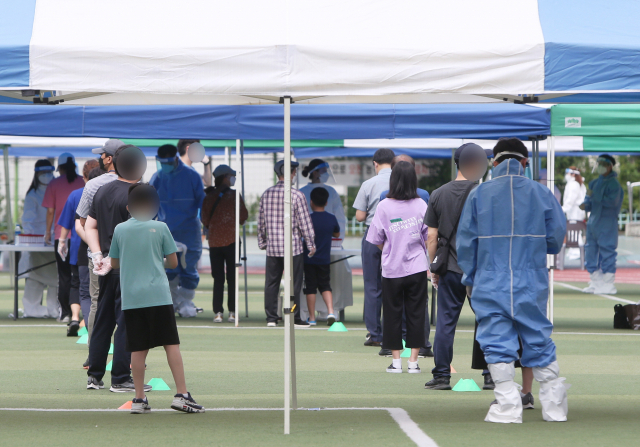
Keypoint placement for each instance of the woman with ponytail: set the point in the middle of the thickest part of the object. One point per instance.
(54, 200)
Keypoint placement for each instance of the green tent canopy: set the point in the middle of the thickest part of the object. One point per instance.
(604, 127)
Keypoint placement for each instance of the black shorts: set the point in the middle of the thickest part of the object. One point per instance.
(317, 278)
(149, 327)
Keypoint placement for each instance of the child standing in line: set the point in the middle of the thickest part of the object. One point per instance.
(138, 248)
(316, 268)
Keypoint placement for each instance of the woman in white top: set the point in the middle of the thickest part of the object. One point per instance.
(319, 173)
(574, 194)
(34, 219)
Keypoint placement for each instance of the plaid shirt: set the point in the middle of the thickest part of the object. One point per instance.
(271, 221)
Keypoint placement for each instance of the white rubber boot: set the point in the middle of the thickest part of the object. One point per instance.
(607, 284)
(174, 288)
(508, 409)
(553, 393)
(187, 309)
(596, 278)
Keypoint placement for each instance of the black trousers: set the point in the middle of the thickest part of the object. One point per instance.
(64, 282)
(74, 285)
(108, 315)
(406, 295)
(219, 257)
(273, 276)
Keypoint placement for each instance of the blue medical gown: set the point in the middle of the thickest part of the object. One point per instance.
(604, 203)
(181, 195)
(508, 226)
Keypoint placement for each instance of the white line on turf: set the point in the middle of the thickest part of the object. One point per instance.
(399, 415)
(609, 297)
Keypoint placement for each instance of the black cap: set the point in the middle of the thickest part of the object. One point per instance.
(609, 158)
(513, 146)
(458, 153)
(279, 167)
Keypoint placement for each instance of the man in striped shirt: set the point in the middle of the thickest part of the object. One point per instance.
(271, 238)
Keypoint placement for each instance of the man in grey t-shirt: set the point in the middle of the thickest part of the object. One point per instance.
(107, 153)
(443, 214)
(365, 204)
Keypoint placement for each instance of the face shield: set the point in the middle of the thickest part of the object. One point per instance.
(166, 165)
(44, 174)
(324, 173)
(601, 166)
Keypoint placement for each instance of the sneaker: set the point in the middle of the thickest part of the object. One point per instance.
(438, 383)
(63, 320)
(415, 370)
(384, 352)
(370, 342)
(186, 404)
(331, 318)
(73, 328)
(425, 352)
(218, 318)
(86, 365)
(527, 401)
(311, 323)
(301, 324)
(140, 406)
(272, 324)
(488, 383)
(94, 384)
(232, 317)
(368, 336)
(392, 369)
(127, 387)
(199, 310)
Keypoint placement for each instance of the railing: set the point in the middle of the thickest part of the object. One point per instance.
(623, 219)
(354, 228)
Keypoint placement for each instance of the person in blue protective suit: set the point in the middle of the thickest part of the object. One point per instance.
(508, 226)
(181, 195)
(603, 201)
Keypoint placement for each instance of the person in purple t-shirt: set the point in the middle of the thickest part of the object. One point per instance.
(398, 229)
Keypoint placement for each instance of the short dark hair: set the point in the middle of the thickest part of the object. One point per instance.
(89, 166)
(182, 145)
(403, 184)
(167, 150)
(384, 156)
(510, 145)
(142, 194)
(319, 196)
(95, 172)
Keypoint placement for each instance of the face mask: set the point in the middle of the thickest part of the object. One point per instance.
(568, 178)
(167, 169)
(101, 163)
(45, 179)
(232, 181)
(324, 177)
(602, 170)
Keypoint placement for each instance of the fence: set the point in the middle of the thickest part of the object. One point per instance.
(354, 228)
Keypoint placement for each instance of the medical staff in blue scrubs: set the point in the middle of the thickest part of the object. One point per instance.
(508, 226)
(181, 195)
(603, 201)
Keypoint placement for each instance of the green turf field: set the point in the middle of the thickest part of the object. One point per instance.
(243, 368)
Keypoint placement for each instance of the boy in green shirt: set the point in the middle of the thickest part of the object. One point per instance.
(139, 248)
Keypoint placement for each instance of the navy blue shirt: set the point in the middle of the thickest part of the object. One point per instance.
(324, 225)
(424, 195)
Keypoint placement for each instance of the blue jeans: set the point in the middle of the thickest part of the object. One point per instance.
(372, 275)
(451, 296)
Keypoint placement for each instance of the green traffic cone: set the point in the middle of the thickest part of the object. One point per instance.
(83, 340)
(158, 385)
(111, 349)
(83, 331)
(109, 365)
(337, 327)
(466, 385)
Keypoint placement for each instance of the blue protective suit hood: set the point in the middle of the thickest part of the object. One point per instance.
(508, 226)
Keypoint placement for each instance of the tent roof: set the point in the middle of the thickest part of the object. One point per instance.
(258, 50)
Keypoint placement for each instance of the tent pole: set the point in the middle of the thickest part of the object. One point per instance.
(551, 166)
(244, 239)
(227, 161)
(16, 186)
(237, 235)
(288, 289)
(7, 194)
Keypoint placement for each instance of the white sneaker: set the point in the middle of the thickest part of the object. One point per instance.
(232, 317)
(271, 324)
(218, 318)
(606, 284)
(392, 369)
(415, 370)
(140, 406)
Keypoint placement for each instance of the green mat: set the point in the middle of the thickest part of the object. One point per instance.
(83, 340)
(466, 385)
(111, 349)
(83, 331)
(337, 327)
(109, 365)
(158, 385)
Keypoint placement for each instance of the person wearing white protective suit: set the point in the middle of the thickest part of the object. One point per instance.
(508, 226)
(34, 219)
(321, 176)
(574, 194)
